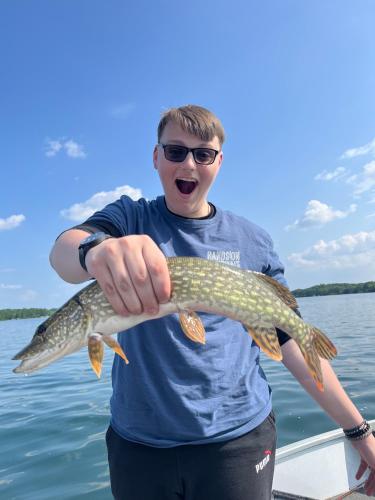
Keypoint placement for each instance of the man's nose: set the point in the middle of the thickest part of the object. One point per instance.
(189, 160)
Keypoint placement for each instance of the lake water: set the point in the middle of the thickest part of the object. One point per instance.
(52, 423)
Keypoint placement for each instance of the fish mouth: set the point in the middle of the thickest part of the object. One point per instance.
(30, 365)
(32, 362)
(186, 186)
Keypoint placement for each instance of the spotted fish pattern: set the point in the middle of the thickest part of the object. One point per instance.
(260, 303)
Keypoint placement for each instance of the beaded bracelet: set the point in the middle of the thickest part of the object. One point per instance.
(362, 431)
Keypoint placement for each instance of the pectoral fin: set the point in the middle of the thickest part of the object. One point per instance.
(113, 344)
(192, 326)
(96, 353)
(266, 338)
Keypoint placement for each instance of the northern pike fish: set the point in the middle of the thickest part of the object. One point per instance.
(259, 302)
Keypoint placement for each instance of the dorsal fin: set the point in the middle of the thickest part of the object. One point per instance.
(280, 290)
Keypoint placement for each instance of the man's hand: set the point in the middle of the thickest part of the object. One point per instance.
(132, 272)
(366, 448)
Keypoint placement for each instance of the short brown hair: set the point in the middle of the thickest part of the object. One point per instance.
(195, 120)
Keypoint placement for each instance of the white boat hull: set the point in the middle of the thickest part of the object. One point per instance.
(320, 467)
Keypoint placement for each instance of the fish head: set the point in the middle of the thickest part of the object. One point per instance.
(64, 332)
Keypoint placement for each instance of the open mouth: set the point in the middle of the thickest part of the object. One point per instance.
(186, 186)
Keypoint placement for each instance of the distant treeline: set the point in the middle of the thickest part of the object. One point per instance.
(335, 289)
(24, 313)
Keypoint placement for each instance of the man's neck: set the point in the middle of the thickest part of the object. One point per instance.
(211, 211)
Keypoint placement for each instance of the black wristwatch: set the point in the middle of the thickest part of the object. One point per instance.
(89, 242)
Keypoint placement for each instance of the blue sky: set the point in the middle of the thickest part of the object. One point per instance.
(82, 87)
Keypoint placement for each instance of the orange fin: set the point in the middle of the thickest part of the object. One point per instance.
(313, 364)
(324, 347)
(96, 353)
(115, 346)
(266, 338)
(192, 326)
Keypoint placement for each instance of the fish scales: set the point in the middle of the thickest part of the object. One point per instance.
(259, 302)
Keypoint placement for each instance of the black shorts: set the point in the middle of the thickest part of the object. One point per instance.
(239, 469)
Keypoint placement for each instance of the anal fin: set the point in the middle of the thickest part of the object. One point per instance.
(266, 338)
(192, 326)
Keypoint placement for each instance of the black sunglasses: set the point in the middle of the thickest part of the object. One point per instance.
(176, 153)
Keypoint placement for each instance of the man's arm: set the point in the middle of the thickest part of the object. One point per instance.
(64, 256)
(131, 270)
(335, 402)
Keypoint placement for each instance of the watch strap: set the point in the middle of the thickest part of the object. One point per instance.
(85, 246)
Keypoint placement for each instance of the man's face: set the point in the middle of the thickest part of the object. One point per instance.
(186, 184)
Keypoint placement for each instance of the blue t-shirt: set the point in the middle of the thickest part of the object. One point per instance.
(175, 391)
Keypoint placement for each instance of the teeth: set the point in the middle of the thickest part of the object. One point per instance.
(186, 179)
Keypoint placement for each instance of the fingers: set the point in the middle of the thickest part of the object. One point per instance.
(98, 267)
(142, 285)
(370, 484)
(361, 469)
(158, 272)
(132, 272)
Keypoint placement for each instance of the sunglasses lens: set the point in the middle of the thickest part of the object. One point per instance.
(175, 153)
(204, 156)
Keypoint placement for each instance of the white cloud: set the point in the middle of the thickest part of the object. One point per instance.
(74, 150)
(123, 110)
(71, 148)
(365, 180)
(318, 213)
(81, 211)
(53, 147)
(368, 148)
(336, 174)
(351, 250)
(3, 286)
(11, 222)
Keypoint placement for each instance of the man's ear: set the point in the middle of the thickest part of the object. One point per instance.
(155, 157)
(221, 158)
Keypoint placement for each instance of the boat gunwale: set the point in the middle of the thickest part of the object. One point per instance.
(311, 442)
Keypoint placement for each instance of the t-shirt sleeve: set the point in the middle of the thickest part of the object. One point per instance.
(96, 226)
(281, 335)
(274, 266)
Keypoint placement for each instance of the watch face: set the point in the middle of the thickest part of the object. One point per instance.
(94, 237)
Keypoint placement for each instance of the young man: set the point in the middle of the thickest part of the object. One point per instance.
(189, 421)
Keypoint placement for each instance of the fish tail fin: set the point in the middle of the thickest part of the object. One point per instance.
(324, 347)
(314, 344)
(311, 357)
